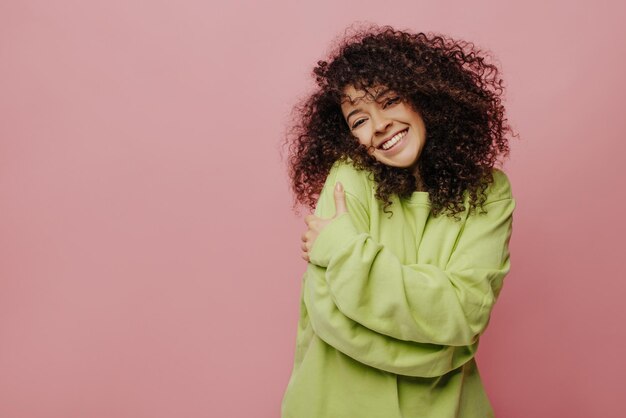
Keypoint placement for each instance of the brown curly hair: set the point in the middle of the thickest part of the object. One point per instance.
(449, 82)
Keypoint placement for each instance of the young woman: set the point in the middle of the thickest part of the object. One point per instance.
(408, 246)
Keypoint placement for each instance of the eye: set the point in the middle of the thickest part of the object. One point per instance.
(391, 101)
(357, 123)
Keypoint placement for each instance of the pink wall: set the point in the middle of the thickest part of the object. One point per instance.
(149, 261)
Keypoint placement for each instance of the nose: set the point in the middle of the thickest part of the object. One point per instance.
(381, 122)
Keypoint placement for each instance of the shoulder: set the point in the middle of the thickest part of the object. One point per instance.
(500, 188)
(358, 188)
(357, 182)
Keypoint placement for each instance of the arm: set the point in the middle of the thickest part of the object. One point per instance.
(418, 302)
(372, 348)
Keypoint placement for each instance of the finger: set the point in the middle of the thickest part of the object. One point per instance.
(340, 199)
(309, 218)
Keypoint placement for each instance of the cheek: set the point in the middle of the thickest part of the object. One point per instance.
(359, 138)
(366, 142)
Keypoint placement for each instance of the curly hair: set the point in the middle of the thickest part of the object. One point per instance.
(449, 82)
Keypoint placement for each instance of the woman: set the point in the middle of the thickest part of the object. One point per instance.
(408, 246)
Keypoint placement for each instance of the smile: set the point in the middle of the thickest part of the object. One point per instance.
(393, 140)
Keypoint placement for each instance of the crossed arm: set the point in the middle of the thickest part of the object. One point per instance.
(415, 319)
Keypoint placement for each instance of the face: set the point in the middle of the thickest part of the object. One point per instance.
(392, 130)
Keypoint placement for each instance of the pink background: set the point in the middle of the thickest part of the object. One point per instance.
(149, 259)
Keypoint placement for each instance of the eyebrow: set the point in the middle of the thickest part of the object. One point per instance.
(352, 113)
(357, 110)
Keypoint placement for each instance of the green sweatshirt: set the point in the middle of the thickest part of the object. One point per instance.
(392, 307)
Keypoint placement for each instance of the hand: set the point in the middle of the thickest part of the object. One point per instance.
(316, 224)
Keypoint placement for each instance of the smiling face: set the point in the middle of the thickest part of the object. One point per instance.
(392, 130)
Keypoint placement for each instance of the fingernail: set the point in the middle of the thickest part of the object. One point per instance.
(339, 186)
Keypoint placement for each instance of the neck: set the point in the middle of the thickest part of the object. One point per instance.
(419, 184)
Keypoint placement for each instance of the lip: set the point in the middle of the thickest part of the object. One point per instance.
(388, 138)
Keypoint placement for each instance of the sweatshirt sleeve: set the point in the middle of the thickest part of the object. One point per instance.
(418, 303)
(370, 347)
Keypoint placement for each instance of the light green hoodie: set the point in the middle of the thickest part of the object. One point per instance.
(392, 308)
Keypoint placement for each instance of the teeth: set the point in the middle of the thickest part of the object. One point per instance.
(393, 141)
